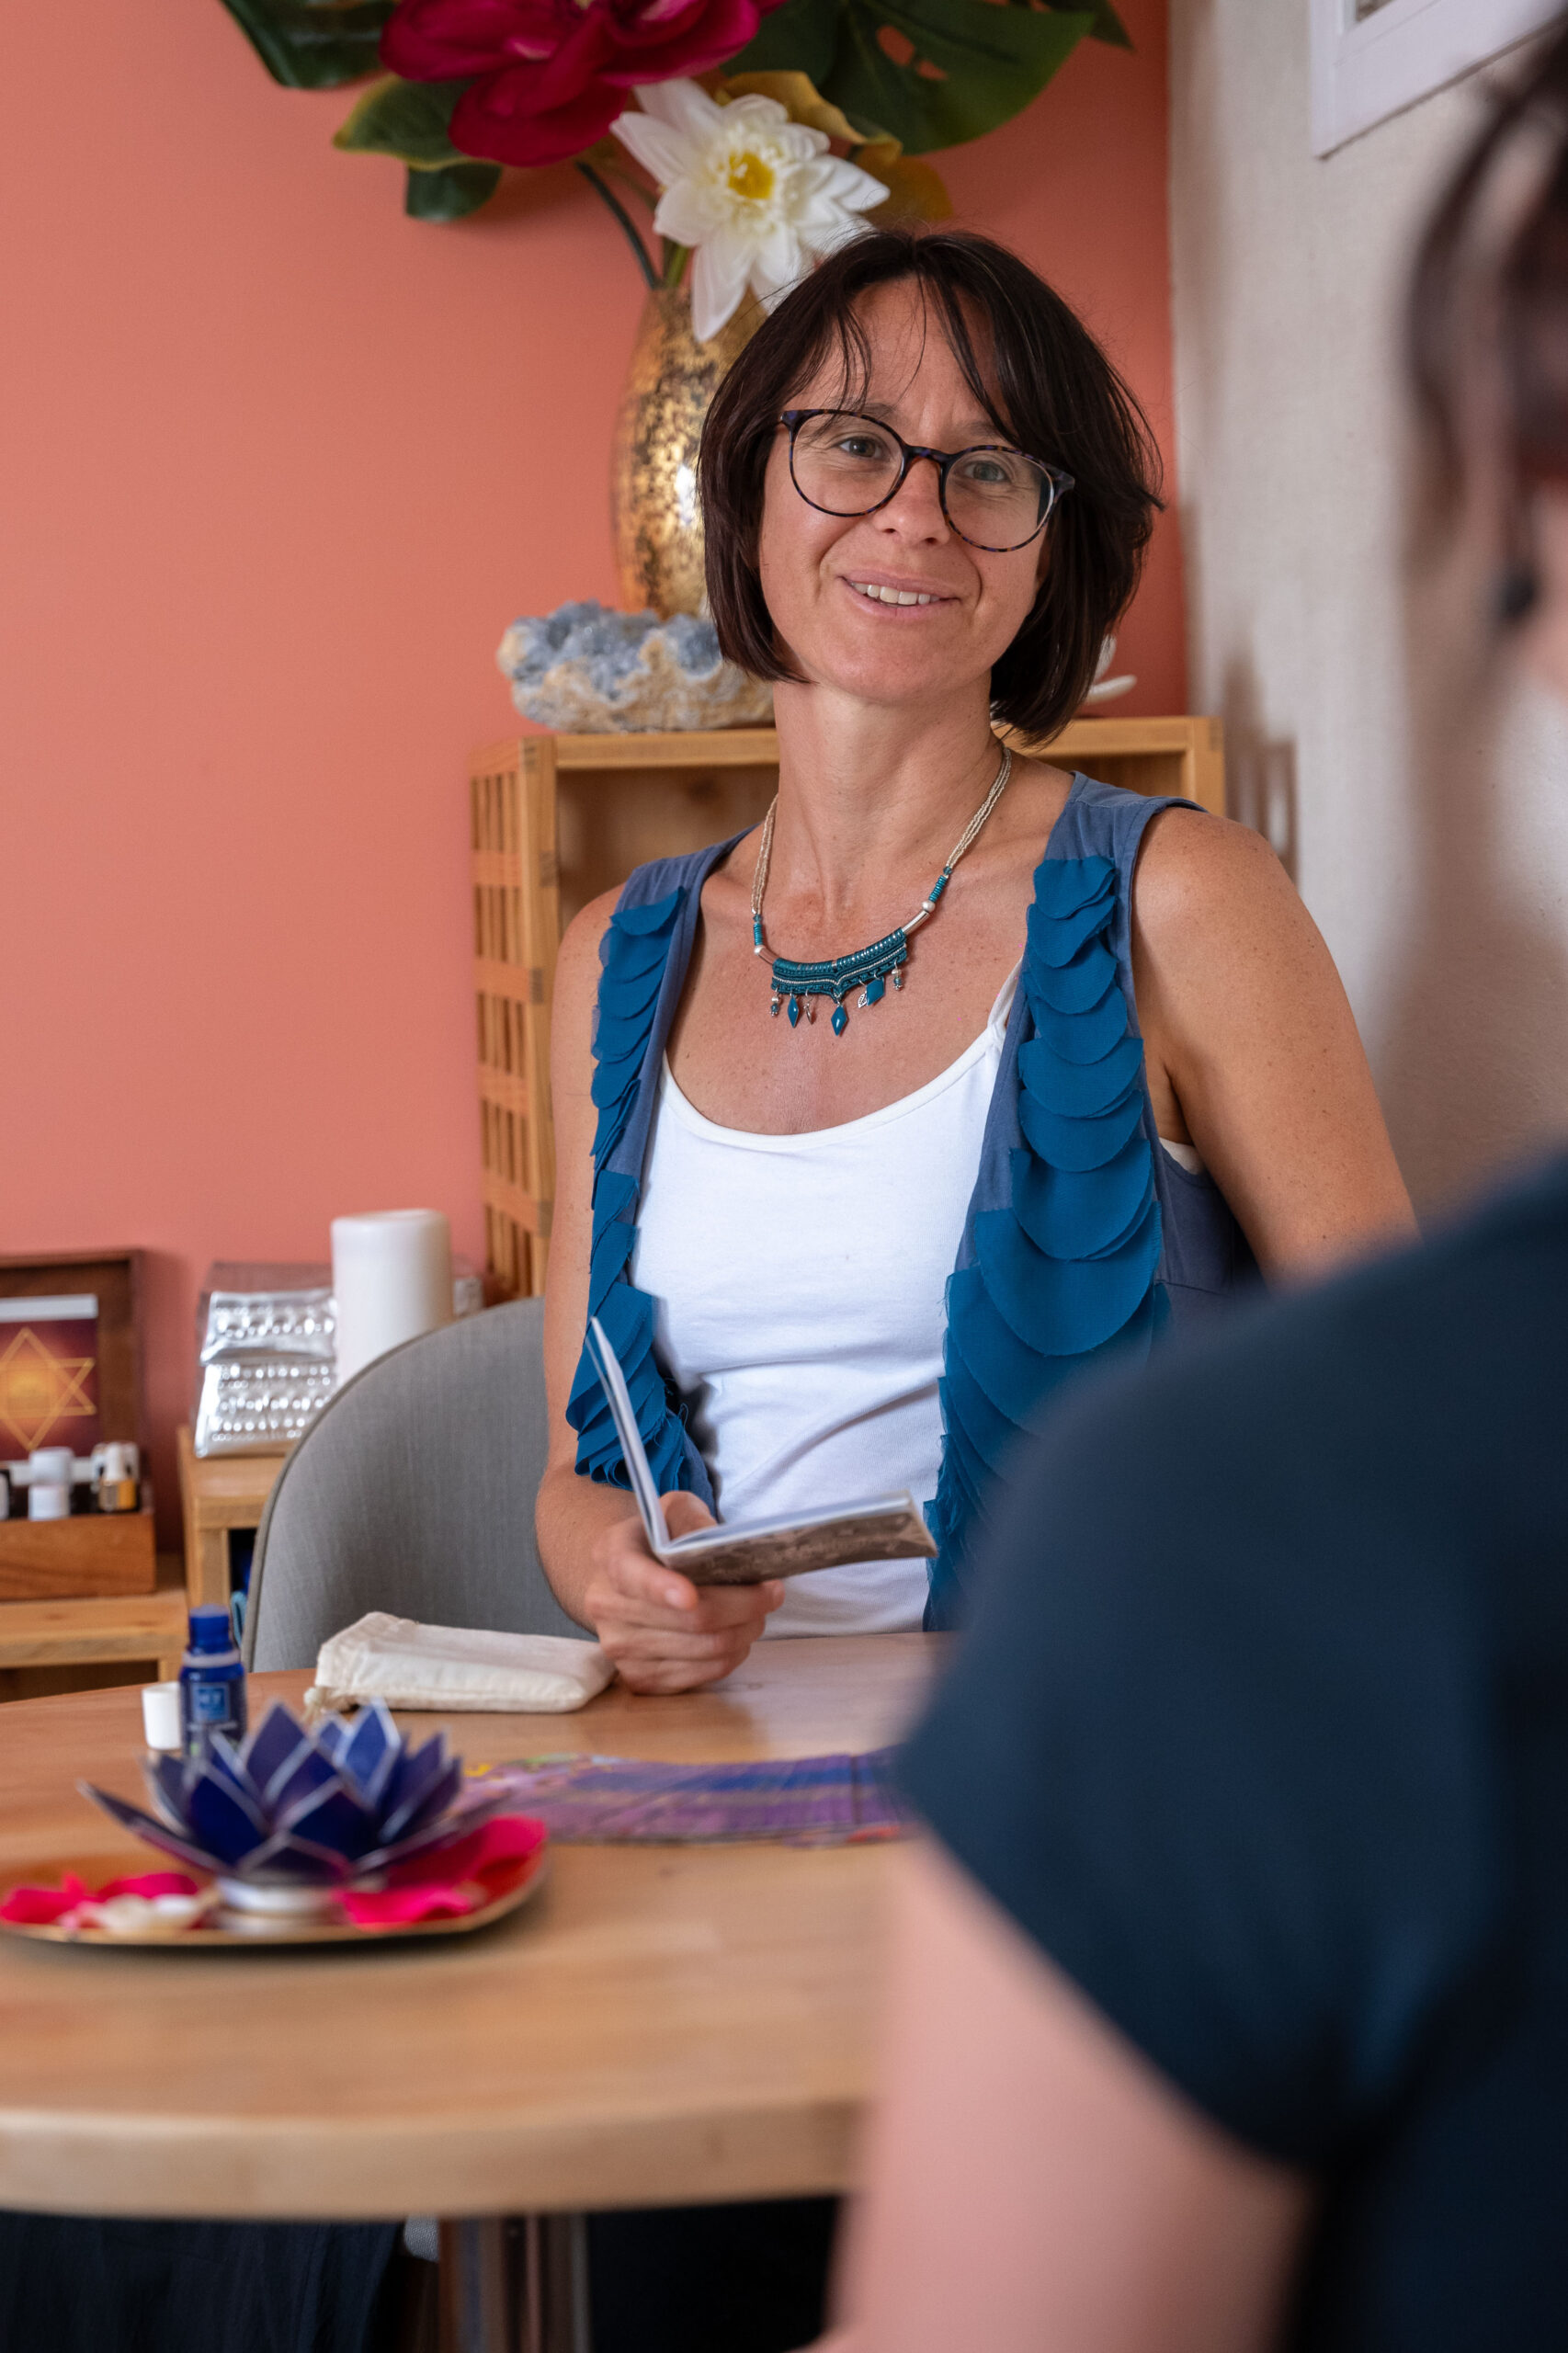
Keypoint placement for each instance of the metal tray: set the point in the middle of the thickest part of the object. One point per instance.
(254, 1933)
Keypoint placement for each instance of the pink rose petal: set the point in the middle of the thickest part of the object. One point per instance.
(35, 1907)
(446, 1881)
(545, 75)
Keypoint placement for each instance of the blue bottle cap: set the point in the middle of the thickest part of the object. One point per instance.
(209, 1628)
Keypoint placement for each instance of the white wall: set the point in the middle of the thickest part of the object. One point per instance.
(1434, 860)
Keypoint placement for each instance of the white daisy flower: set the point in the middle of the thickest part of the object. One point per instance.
(755, 196)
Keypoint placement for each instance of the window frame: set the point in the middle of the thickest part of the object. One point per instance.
(1362, 73)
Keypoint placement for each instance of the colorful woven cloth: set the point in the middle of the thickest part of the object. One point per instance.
(807, 1802)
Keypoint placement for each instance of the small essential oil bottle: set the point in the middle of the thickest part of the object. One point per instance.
(211, 1682)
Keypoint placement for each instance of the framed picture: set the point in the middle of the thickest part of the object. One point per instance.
(71, 1375)
(1373, 58)
(70, 1352)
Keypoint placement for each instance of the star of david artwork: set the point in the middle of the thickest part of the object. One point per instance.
(48, 1392)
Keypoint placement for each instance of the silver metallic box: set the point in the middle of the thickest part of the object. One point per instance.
(268, 1357)
(268, 1351)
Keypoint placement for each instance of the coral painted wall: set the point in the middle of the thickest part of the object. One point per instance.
(277, 466)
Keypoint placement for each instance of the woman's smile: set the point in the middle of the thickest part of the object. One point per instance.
(887, 593)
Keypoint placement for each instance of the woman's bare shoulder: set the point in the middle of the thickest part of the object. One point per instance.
(1198, 869)
(727, 884)
(578, 972)
(1036, 796)
(581, 939)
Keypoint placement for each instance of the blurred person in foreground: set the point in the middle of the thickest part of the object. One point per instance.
(1231, 2010)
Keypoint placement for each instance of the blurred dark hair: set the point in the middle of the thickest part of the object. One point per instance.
(1489, 307)
(1035, 370)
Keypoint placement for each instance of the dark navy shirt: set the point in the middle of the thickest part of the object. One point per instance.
(1261, 1732)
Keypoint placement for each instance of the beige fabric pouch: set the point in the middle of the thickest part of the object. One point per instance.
(452, 1668)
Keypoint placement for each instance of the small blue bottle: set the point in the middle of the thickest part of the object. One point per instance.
(211, 1682)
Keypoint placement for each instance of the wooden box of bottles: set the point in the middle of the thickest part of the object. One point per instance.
(73, 1394)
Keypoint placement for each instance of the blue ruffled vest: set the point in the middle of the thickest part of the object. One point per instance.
(1082, 1237)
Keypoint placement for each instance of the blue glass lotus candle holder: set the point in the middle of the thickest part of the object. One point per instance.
(295, 1814)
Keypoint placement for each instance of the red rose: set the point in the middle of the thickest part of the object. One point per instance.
(551, 75)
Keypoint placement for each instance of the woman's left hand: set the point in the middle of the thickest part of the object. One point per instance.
(663, 1633)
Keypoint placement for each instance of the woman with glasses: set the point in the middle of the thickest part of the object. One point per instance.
(961, 1074)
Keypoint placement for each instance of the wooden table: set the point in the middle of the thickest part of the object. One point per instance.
(664, 2025)
(218, 1493)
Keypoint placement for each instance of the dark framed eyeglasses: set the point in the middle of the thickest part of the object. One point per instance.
(993, 496)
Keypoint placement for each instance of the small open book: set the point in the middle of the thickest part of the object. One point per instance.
(747, 1552)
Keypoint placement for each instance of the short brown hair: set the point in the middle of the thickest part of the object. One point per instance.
(1050, 390)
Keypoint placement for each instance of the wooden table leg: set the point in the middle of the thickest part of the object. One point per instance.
(514, 2284)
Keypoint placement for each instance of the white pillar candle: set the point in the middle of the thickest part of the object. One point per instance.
(392, 1274)
(48, 1485)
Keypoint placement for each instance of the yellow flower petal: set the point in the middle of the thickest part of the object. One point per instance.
(915, 192)
(798, 94)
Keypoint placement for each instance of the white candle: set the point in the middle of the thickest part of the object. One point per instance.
(159, 1717)
(49, 1487)
(392, 1274)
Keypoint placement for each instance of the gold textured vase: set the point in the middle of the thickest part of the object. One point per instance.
(654, 508)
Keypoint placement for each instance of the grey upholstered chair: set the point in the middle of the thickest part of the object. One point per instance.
(414, 1493)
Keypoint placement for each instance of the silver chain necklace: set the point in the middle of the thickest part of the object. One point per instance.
(867, 969)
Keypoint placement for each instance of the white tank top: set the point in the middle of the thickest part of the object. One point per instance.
(800, 1285)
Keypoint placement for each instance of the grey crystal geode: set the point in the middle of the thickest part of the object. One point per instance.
(586, 670)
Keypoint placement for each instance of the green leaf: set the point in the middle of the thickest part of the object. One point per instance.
(952, 69)
(313, 44)
(1107, 26)
(408, 120)
(449, 193)
(982, 64)
(801, 37)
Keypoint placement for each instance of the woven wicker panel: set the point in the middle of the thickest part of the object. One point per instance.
(516, 931)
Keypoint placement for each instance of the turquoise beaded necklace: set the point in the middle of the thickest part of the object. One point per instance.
(865, 969)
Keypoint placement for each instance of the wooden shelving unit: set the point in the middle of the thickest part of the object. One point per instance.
(219, 1492)
(55, 1645)
(557, 819)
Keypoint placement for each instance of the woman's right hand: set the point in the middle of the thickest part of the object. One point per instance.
(663, 1633)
